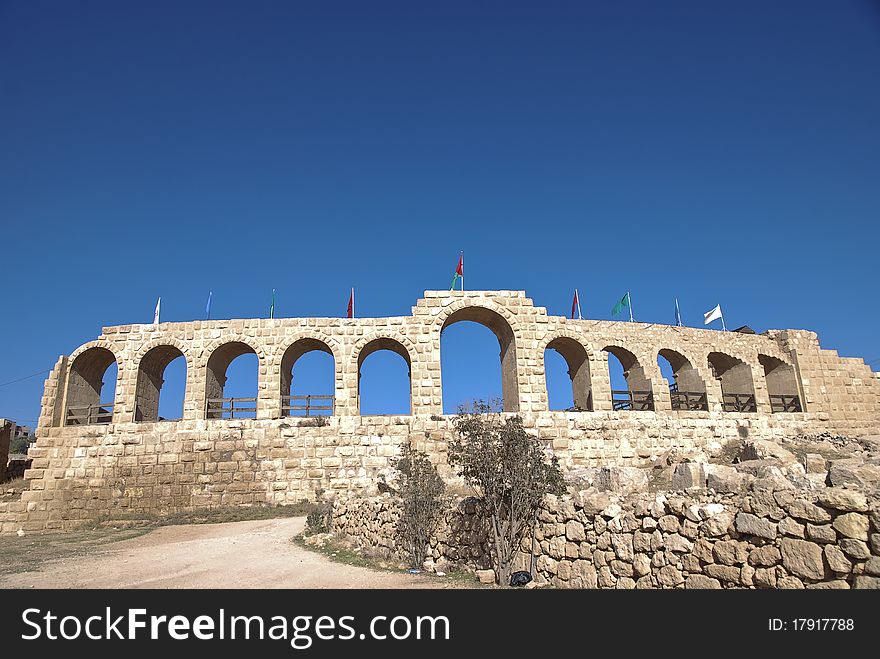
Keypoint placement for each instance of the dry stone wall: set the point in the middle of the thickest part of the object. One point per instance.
(773, 537)
(137, 464)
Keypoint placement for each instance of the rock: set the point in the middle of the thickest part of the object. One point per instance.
(853, 471)
(790, 527)
(763, 504)
(703, 550)
(837, 584)
(677, 543)
(574, 531)
(823, 533)
(873, 566)
(669, 524)
(718, 525)
(803, 558)
(621, 569)
(747, 575)
(765, 578)
(845, 500)
(623, 546)
(622, 479)
(762, 450)
(875, 542)
(698, 581)
(691, 564)
(687, 475)
(546, 564)
(641, 565)
(563, 570)
(722, 478)
(752, 525)
(723, 572)
(808, 511)
(593, 502)
(486, 576)
(582, 478)
(612, 510)
(649, 524)
(625, 583)
(583, 575)
(20, 533)
(836, 560)
(728, 552)
(606, 579)
(790, 583)
(852, 525)
(855, 548)
(863, 582)
(670, 577)
(814, 463)
(764, 556)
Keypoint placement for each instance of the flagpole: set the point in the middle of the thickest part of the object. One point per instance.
(722, 322)
(629, 297)
(579, 304)
(462, 272)
(352, 301)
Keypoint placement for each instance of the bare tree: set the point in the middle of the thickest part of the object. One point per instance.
(419, 488)
(509, 470)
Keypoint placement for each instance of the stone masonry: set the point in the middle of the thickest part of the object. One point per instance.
(125, 461)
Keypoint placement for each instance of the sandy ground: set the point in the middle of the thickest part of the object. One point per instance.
(255, 554)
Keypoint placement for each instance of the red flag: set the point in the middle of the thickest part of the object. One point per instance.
(351, 304)
(460, 269)
(574, 304)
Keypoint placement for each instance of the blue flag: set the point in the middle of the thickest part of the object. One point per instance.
(208, 306)
(677, 314)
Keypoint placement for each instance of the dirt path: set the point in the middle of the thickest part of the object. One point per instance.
(256, 554)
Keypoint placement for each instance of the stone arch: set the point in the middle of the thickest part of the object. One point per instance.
(85, 382)
(687, 389)
(737, 384)
(152, 360)
(640, 393)
(782, 384)
(398, 344)
(577, 357)
(502, 324)
(300, 346)
(219, 356)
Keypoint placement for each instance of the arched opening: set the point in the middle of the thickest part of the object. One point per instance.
(624, 370)
(735, 377)
(155, 400)
(232, 385)
(565, 355)
(310, 393)
(687, 391)
(782, 385)
(507, 345)
(88, 400)
(385, 384)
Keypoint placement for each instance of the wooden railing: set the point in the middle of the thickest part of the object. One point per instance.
(785, 403)
(739, 403)
(309, 409)
(632, 400)
(86, 415)
(688, 400)
(231, 408)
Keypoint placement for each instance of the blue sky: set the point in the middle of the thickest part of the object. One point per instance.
(718, 153)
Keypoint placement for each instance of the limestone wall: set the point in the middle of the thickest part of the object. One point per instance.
(771, 538)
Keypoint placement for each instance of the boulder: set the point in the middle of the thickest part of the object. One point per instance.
(852, 525)
(722, 478)
(687, 475)
(790, 527)
(622, 479)
(486, 576)
(803, 558)
(764, 556)
(821, 533)
(752, 525)
(699, 581)
(855, 548)
(758, 449)
(852, 471)
(815, 464)
(844, 500)
(802, 509)
(865, 582)
(837, 561)
(837, 584)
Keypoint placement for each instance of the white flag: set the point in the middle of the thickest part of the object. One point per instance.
(156, 313)
(714, 314)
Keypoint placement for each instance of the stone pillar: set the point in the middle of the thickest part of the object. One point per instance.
(52, 403)
(601, 380)
(269, 387)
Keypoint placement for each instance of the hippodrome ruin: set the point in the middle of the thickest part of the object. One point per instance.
(99, 459)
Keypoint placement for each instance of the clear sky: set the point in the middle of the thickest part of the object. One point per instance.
(715, 152)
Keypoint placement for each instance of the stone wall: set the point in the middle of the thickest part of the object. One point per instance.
(773, 537)
(6, 428)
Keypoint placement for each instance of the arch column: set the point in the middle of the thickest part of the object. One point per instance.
(601, 379)
(269, 387)
(659, 387)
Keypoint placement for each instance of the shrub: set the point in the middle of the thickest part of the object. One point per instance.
(419, 488)
(315, 422)
(509, 470)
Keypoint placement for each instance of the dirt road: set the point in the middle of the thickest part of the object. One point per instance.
(255, 554)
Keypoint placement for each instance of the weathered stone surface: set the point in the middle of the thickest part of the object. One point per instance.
(486, 576)
(858, 549)
(837, 584)
(677, 543)
(752, 525)
(875, 542)
(805, 510)
(729, 552)
(764, 556)
(669, 524)
(852, 525)
(622, 479)
(765, 577)
(623, 546)
(722, 478)
(789, 526)
(687, 475)
(703, 550)
(718, 525)
(763, 450)
(815, 463)
(574, 531)
(723, 572)
(625, 583)
(872, 567)
(699, 581)
(790, 583)
(853, 472)
(668, 576)
(584, 571)
(836, 559)
(802, 558)
(863, 582)
(844, 500)
(621, 569)
(641, 565)
(823, 533)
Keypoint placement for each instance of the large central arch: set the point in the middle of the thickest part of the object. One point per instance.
(506, 342)
(296, 350)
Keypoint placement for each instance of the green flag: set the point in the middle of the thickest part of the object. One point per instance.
(620, 306)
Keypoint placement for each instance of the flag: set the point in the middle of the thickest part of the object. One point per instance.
(351, 304)
(459, 272)
(713, 314)
(208, 306)
(156, 312)
(272, 306)
(620, 306)
(576, 305)
(677, 314)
